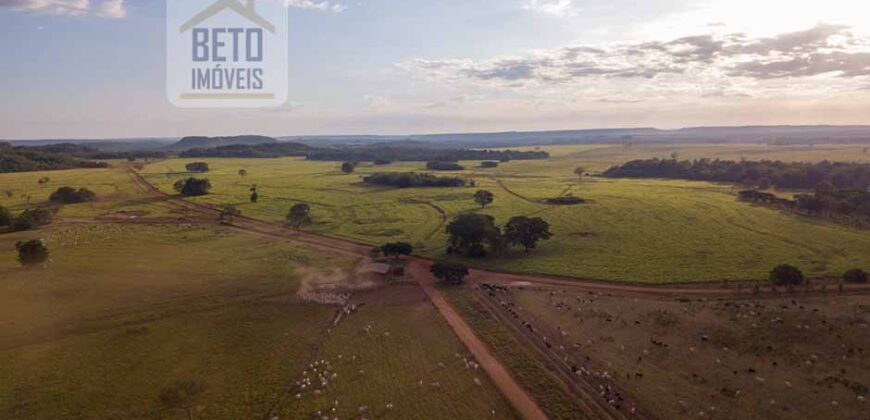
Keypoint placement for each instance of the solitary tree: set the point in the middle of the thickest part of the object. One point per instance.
(180, 395)
(44, 180)
(255, 195)
(397, 249)
(469, 233)
(786, 275)
(525, 231)
(243, 173)
(580, 172)
(856, 276)
(484, 198)
(450, 273)
(31, 252)
(192, 187)
(228, 213)
(299, 215)
(348, 167)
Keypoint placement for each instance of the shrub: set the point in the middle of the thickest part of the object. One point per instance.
(450, 273)
(786, 275)
(197, 167)
(69, 195)
(568, 200)
(299, 215)
(856, 276)
(348, 167)
(31, 252)
(192, 187)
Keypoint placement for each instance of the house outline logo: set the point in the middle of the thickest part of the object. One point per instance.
(227, 53)
(248, 11)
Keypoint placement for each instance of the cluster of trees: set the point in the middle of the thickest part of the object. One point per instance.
(70, 195)
(27, 159)
(265, 150)
(192, 187)
(444, 166)
(827, 201)
(419, 154)
(200, 167)
(27, 220)
(790, 276)
(760, 174)
(489, 164)
(477, 235)
(412, 180)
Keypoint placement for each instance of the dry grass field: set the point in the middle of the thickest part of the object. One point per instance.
(782, 357)
(121, 312)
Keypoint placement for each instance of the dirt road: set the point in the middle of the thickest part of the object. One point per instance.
(518, 397)
(418, 269)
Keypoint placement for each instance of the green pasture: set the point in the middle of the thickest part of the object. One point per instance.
(120, 312)
(115, 191)
(641, 230)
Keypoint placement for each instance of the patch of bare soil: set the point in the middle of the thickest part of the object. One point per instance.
(774, 358)
(123, 215)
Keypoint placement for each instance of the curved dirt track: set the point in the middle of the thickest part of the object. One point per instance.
(418, 268)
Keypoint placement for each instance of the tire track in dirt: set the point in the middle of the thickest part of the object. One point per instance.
(418, 267)
(521, 400)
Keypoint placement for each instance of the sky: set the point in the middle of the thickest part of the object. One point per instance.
(97, 69)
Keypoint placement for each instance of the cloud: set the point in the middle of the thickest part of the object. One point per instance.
(114, 9)
(551, 7)
(833, 51)
(54, 7)
(323, 6)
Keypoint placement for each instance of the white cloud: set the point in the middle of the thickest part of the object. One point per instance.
(551, 7)
(324, 6)
(114, 9)
(819, 61)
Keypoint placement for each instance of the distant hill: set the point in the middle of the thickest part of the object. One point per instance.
(197, 142)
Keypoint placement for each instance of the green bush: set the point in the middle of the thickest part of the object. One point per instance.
(69, 195)
(786, 275)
